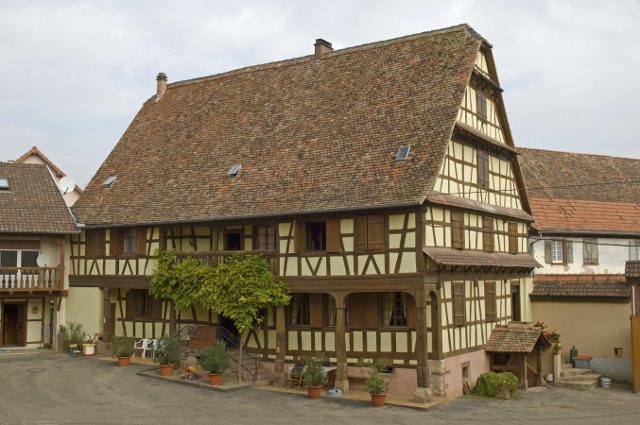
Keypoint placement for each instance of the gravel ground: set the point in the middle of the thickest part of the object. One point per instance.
(49, 388)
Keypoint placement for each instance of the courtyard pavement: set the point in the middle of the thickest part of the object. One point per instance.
(42, 387)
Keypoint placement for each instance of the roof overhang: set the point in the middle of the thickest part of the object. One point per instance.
(457, 201)
(455, 257)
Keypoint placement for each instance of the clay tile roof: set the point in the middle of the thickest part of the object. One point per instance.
(312, 135)
(33, 203)
(447, 256)
(632, 269)
(34, 151)
(567, 193)
(580, 285)
(512, 339)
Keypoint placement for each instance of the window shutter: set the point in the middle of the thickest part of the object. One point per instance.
(457, 230)
(141, 241)
(333, 235)
(513, 238)
(633, 251)
(156, 309)
(458, 304)
(299, 236)
(487, 234)
(490, 301)
(114, 242)
(375, 233)
(315, 310)
(130, 304)
(361, 233)
(569, 251)
(547, 251)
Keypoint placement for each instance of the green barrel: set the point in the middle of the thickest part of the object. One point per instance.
(573, 353)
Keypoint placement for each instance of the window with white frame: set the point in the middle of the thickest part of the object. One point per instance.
(557, 252)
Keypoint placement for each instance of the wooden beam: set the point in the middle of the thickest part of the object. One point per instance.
(342, 380)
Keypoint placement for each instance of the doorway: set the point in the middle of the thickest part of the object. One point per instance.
(227, 331)
(14, 329)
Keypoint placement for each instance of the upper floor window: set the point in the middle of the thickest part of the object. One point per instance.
(265, 238)
(558, 251)
(481, 104)
(233, 240)
(316, 236)
(370, 235)
(18, 258)
(590, 251)
(131, 241)
(393, 305)
(482, 158)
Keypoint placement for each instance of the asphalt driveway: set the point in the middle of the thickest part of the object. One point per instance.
(49, 388)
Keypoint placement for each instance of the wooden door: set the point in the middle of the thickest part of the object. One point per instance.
(635, 351)
(21, 324)
(9, 320)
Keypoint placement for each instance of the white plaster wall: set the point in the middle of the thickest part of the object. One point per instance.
(613, 253)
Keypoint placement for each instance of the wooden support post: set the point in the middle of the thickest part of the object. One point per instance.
(423, 392)
(539, 366)
(342, 380)
(172, 319)
(62, 243)
(108, 320)
(281, 347)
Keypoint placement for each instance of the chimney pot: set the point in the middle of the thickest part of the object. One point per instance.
(161, 80)
(322, 48)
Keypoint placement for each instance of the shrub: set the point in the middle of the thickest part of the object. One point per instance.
(376, 384)
(73, 333)
(167, 351)
(314, 373)
(214, 358)
(122, 346)
(490, 384)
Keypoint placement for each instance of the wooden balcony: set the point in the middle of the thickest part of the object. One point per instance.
(213, 258)
(31, 279)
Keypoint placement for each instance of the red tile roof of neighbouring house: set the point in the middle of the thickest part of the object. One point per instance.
(312, 135)
(582, 193)
(32, 203)
(558, 286)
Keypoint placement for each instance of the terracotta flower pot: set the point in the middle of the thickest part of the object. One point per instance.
(124, 361)
(377, 400)
(314, 392)
(166, 369)
(215, 378)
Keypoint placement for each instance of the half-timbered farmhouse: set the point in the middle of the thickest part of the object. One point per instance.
(35, 225)
(587, 226)
(380, 181)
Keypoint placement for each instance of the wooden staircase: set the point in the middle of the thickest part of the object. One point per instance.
(577, 379)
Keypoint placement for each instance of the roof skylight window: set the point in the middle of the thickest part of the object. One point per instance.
(109, 181)
(234, 170)
(403, 153)
(4, 183)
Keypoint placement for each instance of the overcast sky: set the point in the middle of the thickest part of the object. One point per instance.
(74, 73)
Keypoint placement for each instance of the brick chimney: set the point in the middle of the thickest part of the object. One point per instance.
(161, 79)
(322, 48)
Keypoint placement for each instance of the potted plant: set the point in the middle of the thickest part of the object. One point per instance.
(167, 354)
(215, 359)
(377, 387)
(122, 348)
(315, 376)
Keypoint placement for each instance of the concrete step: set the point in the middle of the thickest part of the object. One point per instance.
(575, 372)
(577, 384)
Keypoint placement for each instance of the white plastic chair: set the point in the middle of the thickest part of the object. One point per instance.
(143, 346)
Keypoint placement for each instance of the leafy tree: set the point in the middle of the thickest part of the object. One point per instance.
(240, 289)
(179, 282)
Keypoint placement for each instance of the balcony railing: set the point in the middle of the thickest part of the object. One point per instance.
(30, 279)
(213, 258)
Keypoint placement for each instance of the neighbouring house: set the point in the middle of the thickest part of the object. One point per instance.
(587, 226)
(379, 181)
(35, 156)
(35, 225)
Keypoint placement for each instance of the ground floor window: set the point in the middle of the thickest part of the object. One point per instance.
(139, 304)
(300, 310)
(394, 309)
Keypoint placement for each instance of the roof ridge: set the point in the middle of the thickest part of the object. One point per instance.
(576, 153)
(339, 52)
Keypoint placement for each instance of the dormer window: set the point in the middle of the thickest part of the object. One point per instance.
(234, 170)
(4, 183)
(403, 153)
(109, 181)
